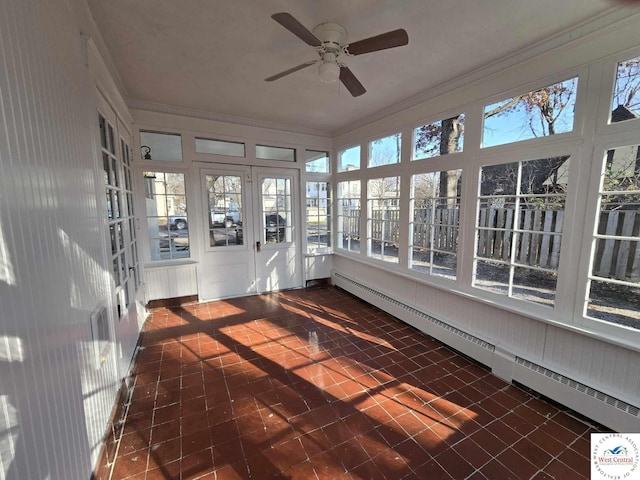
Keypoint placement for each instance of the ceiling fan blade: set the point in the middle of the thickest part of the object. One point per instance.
(395, 38)
(350, 81)
(291, 70)
(295, 27)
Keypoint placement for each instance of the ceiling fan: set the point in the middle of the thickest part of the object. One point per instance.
(329, 41)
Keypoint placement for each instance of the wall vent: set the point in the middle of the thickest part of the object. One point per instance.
(581, 387)
(418, 313)
(100, 333)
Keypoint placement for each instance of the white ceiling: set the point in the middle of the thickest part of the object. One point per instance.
(213, 55)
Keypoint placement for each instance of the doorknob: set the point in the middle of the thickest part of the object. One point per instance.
(258, 246)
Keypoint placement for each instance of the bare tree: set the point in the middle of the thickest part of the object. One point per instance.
(542, 107)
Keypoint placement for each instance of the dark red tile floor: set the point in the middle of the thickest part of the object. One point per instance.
(316, 384)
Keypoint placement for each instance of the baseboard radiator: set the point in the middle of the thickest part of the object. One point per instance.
(586, 400)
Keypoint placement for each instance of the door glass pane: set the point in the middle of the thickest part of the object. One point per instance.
(224, 200)
(276, 210)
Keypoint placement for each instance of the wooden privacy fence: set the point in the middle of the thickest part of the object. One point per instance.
(619, 259)
(538, 240)
(537, 243)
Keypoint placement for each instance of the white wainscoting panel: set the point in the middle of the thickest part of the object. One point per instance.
(171, 281)
(318, 266)
(595, 378)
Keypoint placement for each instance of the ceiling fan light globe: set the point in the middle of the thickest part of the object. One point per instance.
(329, 72)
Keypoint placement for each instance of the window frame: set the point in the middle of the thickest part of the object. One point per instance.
(411, 232)
(602, 329)
(430, 121)
(370, 220)
(338, 240)
(174, 260)
(204, 215)
(370, 146)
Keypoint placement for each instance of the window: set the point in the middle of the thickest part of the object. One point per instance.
(318, 204)
(116, 171)
(224, 194)
(626, 93)
(435, 207)
(128, 192)
(349, 215)
(160, 146)
(349, 159)
(614, 290)
(383, 218)
(385, 151)
(519, 228)
(544, 112)
(219, 147)
(167, 218)
(275, 153)
(277, 210)
(439, 138)
(316, 162)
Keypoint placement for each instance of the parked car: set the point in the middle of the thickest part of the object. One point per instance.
(228, 218)
(274, 226)
(178, 222)
(218, 217)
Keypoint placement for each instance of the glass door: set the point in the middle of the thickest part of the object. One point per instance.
(278, 261)
(251, 235)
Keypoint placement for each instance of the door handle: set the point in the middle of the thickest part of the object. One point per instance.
(258, 246)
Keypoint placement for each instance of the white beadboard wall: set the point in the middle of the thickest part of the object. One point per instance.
(318, 266)
(54, 402)
(602, 366)
(171, 281)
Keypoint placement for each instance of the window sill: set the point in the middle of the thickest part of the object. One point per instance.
(169, 263)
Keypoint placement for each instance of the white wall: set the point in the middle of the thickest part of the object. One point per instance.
(54, 402)
(197, 269)
(602, 356)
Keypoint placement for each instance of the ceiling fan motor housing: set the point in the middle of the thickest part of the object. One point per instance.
(331, 35)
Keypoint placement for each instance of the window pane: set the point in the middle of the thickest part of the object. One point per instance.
(103, 131)
(275, 153)
(164, 147)
(540, 113)
(492, 276)
(276, 210)
(435, 206)
(349, 215)
(383, 219)
(439, 138)
(615, 269)
(349, 159)
(225, 210)
(534, 285)
(385, 151)
(316, 162)
(220, 147)
(167, 219)
(318, 204)
(519, 228)
(626, 93)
